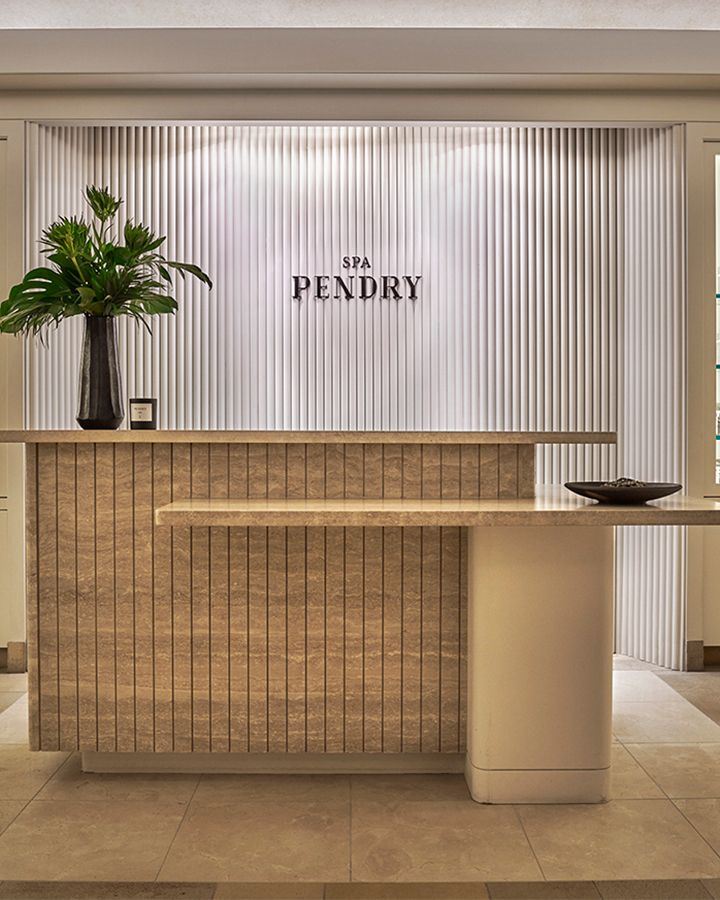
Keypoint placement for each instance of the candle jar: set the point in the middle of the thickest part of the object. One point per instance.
(143, 413)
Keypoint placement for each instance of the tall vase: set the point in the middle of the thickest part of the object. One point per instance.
(100, 403)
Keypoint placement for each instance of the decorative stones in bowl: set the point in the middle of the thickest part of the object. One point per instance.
(623, 491)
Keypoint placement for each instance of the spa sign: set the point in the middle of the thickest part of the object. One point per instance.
(356, 283)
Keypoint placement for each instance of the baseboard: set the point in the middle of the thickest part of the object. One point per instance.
(274, 763)
(694, 656)
(711, 656)
(16, 660)
(538, 786)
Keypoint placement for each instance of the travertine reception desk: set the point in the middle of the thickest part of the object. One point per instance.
(301, 597)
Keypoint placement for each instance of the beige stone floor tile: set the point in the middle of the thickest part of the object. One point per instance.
(712, 886)
(628, 663)
(628, 780)
(279, 891)
(702, 689)
(24, 772)
(7, 698)
(58, 840)
(71, 783)
(9, 811)
(285, 841)
(641, 687)
(439, 841)
(393, 788)
(94, 890)
(681, 770)
(672, 722)
(543, 890)
(628, 839)
(13, 681)
(272, 788)
(14, 723)
(705, 817)
(681, 889)
(468, 890)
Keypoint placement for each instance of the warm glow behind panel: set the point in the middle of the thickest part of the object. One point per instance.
(513, 230)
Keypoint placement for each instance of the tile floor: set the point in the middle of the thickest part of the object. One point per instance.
(85, 835)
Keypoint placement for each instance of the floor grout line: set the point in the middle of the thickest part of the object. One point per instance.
(696, 830)
(527, 838)
(642, 767)
(177, 831)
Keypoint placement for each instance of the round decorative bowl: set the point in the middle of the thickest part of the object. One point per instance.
(622, 495)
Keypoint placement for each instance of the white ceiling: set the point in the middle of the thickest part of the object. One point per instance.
(655, 14)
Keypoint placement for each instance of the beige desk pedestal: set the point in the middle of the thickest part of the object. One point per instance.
(540, 617)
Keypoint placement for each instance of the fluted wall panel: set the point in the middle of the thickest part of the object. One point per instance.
(652, 432)
(545, 254)
(513, 230)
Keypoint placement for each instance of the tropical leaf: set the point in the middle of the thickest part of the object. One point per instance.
(93, 273)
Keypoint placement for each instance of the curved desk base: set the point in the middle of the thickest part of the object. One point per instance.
(540, 622)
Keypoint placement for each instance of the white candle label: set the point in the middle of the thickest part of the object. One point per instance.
(141, 412)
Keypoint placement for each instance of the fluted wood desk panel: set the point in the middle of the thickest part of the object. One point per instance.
(144, 637)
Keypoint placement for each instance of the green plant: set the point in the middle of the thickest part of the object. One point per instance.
(95, 272)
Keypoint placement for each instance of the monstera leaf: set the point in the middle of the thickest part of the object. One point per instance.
(92, 272)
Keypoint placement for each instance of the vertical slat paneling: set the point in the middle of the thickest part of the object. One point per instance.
(277, 648)
(106, 599)
(297, 661)
(392, 636)
(162, 542)
(68, 590)
(411, 673)
(372, 628)
(354, 638)
(430, 612)
(143, 652)
(650, 569)
(239, 712)
(31, 593)
(200, 603)
(181, 609)
(335, 648)
(315, 639)
(220, 638)
(333, 640)
(515, 233)
(125, 597)
(47, 554)
(257, 626)
(86, 625)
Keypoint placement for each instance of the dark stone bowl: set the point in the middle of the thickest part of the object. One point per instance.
(625, 496)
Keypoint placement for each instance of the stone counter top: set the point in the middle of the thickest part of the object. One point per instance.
(552, 506)
(168, 436)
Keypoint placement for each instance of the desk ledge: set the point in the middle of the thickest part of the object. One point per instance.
(168, 436)
(552, 506)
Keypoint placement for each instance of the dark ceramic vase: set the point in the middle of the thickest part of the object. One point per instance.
(100, 403)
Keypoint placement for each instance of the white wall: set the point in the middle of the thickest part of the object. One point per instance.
(514, 232)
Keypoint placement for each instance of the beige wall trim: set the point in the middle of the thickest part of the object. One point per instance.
(273, 763)
(17, 656)
(12, 230)
(694, 656)
(703, 559)
(493, 106)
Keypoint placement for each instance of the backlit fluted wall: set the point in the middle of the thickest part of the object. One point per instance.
(652, 431)
(512, 229)
(532, 242)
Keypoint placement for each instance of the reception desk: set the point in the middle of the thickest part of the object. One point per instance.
(297, 601)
